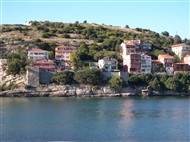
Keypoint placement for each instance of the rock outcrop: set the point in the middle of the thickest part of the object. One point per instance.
(82, 91)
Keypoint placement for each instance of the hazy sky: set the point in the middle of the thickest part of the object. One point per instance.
(171, 15)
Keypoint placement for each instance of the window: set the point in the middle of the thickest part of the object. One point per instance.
(67, 56)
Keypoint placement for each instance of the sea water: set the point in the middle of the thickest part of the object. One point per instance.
(96, 119)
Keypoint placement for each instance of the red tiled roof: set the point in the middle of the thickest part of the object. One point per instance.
(166, 56)
(177, 45)
(68, 51)
(63, 46)
(38, 50)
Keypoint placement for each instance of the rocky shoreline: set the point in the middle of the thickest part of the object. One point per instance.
(85, 91)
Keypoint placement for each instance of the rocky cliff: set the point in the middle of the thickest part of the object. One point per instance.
(83, 91)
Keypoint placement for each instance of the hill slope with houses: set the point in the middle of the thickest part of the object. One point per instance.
(56, 46)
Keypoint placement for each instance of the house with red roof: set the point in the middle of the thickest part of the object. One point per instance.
(157, 66)
(37, 54)
(45, 65)
(181, 67)
(62, 52)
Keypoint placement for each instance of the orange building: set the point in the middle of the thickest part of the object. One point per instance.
(63, 52)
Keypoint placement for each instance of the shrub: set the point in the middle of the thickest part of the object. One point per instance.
(65, 77)
(116, 82)
(88, 76)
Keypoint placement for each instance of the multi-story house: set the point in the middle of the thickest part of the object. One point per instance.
(187, 59)
(181, 67)
(37, 54)
(62, 53)
(180, 50)
(157, 66)
(127, 48)
(132, 63)
(168, 63)
(140, 44)
(108, 63)
(146, 63)
(45, 65)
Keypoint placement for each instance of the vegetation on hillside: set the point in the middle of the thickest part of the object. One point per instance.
(106, 41)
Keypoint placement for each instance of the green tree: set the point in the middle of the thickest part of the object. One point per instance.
(133, 79)
(165, 33)
(88, 76)
(172, 84)
(126, 26)
(51, 55)
(61, 78)
(155, 84)
(116, 82)
(177, 39)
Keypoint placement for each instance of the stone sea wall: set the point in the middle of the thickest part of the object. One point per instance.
(84, 91)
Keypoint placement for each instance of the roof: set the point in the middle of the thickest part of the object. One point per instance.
(130, 44)
(166, 56)
(68, 51)
(44, 62)
(177, 45)
(63, 46)
(181, 63)
(38, 50)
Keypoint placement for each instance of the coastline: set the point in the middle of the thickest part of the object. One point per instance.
(86, 91)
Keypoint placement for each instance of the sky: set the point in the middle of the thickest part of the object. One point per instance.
(165, 15)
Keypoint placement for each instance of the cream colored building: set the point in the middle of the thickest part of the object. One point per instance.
(180, 50)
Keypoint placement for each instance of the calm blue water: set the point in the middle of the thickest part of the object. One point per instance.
(96, 119)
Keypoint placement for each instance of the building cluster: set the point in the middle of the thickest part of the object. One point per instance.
(135, 54)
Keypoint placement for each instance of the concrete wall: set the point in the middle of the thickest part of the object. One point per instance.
(45, 77)
(32, 76)
(124, 75)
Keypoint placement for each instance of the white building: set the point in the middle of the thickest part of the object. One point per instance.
(180, 50)
(37, 54)
(108, 63)
(146, 63)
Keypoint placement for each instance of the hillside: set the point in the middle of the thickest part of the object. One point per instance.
(105, 37)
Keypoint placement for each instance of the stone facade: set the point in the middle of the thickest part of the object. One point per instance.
(45, 77)
(32, 76)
